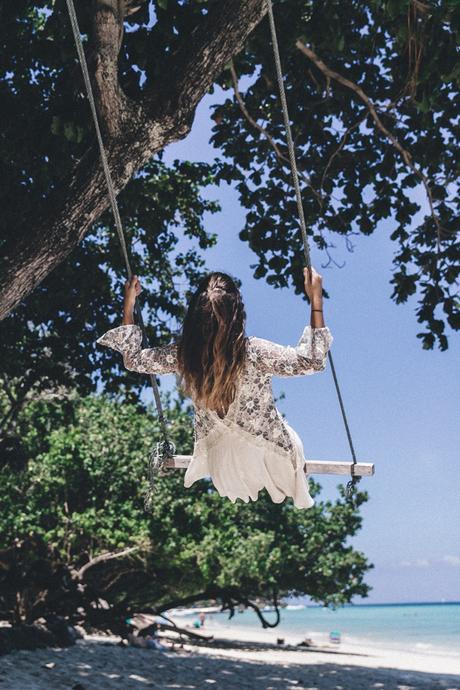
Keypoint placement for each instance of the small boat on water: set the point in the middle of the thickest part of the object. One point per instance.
(295, 607)
(194, 611)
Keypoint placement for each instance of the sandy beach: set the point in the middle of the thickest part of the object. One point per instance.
(247, 660)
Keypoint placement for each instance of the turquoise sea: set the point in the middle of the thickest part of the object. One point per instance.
(426, 628)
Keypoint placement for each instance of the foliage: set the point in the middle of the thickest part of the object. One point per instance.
(358, 177)
(403, 56)
(34, 583)
(49, 341)
(78, 483)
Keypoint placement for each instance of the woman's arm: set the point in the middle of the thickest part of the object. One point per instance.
(127, 339)
(313, 284)
(309, 355)
(132, 290)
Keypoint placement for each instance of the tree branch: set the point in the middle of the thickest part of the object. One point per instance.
(405, 154)
(142, 130)
(107, 36)
(183, 601)
(259, 614)
(103, 558)
(175, 628)
(193, 68)
(339, 148)
(282, 157)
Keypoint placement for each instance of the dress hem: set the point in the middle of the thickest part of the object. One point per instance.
(199, 468)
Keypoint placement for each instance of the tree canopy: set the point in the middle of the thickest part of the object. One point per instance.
(74, 480)
(373, 90)
(61, 172)
(373, 96)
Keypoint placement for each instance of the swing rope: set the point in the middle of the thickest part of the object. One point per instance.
(165, 448)
(303, 229)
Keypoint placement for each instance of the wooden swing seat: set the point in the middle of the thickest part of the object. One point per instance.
(360, 469)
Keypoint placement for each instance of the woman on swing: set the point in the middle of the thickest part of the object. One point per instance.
(241, 439)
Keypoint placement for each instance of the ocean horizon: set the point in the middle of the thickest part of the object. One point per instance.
(440, 602)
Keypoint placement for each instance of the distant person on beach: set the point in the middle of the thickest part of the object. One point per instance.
(143, 640)
(202, 618)
(133, 638)
(241, 440)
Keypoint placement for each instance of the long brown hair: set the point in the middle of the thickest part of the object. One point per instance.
(212, 346)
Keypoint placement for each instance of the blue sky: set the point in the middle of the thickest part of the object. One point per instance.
(403, 402)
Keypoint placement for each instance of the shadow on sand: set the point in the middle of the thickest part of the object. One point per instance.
(92, 666)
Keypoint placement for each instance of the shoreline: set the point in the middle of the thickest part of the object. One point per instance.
(354, 652)
(238, 659)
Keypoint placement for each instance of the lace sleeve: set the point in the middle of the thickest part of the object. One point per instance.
(128, 341)
(308, 357)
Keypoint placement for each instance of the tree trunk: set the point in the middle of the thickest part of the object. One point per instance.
(133, 133)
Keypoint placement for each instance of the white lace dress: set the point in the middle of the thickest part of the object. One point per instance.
(252, 447)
